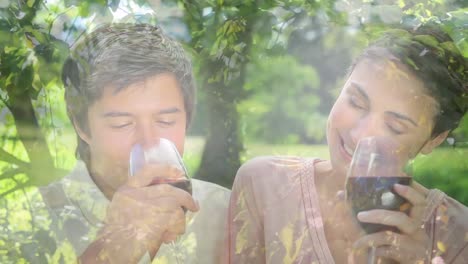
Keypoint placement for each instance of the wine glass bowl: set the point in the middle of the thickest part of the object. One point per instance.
(377, 165)
(164, 152)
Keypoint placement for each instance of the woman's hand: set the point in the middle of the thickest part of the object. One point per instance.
(411, 244)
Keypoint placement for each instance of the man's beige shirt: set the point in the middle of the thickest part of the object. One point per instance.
(78, 208)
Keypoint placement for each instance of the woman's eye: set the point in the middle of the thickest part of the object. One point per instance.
(395, 130)
(354, 102)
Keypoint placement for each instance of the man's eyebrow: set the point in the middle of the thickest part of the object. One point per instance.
(361, 90)
(400, 116)
(115, 114)
(171, 110)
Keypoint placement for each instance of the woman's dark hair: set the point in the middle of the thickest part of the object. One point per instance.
(432, 56)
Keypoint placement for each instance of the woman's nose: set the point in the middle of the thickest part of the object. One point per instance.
(367, 126)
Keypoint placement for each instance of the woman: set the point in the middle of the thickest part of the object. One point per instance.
(411, 86)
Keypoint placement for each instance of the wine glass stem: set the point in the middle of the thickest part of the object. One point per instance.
(371, 256)
(176, 251)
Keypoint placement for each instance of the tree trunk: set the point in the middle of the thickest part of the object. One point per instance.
(221, 154)
(41, 169)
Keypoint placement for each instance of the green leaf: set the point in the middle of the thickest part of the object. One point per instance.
(428, 40)
(45, 240)
(44, 51)
(29, 252)
(84, 9)
(24, 80)
(114, 4)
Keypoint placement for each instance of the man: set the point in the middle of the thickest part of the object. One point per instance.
(126, 85)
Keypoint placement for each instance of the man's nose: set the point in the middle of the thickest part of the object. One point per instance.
(148, 135)
(367, 126)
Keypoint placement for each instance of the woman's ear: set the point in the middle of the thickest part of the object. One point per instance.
(81, 133)
(434, 142)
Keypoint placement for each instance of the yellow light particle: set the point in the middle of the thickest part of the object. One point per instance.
(441, 246)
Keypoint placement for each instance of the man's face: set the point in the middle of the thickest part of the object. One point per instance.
(140, 113)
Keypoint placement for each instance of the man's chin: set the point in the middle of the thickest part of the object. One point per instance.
(110, 179)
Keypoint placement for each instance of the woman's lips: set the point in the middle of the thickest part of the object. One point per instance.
(346, 151)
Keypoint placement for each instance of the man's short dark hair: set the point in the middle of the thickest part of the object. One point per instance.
(118, 55)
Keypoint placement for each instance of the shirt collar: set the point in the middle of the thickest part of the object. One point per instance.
(83, 192)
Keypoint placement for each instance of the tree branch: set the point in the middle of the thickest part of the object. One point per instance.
(7, 157)
(10, 174)
(56, 17)
(16, 188)
(28, 202)
(4, 101)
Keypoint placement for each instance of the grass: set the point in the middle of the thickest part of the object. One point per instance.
(260, 149)
(194, 147)
(445, 168)
(441, 159)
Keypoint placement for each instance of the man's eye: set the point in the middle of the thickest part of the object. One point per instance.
(118, 126)
(166, 123)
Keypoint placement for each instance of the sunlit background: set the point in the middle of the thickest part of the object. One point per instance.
(267, 74)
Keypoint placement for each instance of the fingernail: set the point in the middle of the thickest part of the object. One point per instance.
(362, 215)
(340, 195)
(356, 245)
(399, 187)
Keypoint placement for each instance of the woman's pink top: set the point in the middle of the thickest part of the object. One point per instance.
(274, 217)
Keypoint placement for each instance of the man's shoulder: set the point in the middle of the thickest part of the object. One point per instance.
(210, 192)
(209, 186)
(56, 193)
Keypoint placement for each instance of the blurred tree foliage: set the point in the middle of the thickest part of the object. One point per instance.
(35, 36)
(267, 70)
(266, 113)
(228, 38)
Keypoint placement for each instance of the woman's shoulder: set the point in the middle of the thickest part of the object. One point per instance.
(439, 202)
(266, 165)
(450, 226)
(270, 171)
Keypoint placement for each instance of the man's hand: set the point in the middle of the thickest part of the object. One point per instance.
(141, 216)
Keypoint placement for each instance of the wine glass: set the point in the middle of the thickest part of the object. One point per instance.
(378, 164)
(164, 152)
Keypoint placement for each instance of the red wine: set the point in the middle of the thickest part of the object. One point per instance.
(183, 183)
(367, 193)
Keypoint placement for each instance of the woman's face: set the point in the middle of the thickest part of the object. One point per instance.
(381, 99)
